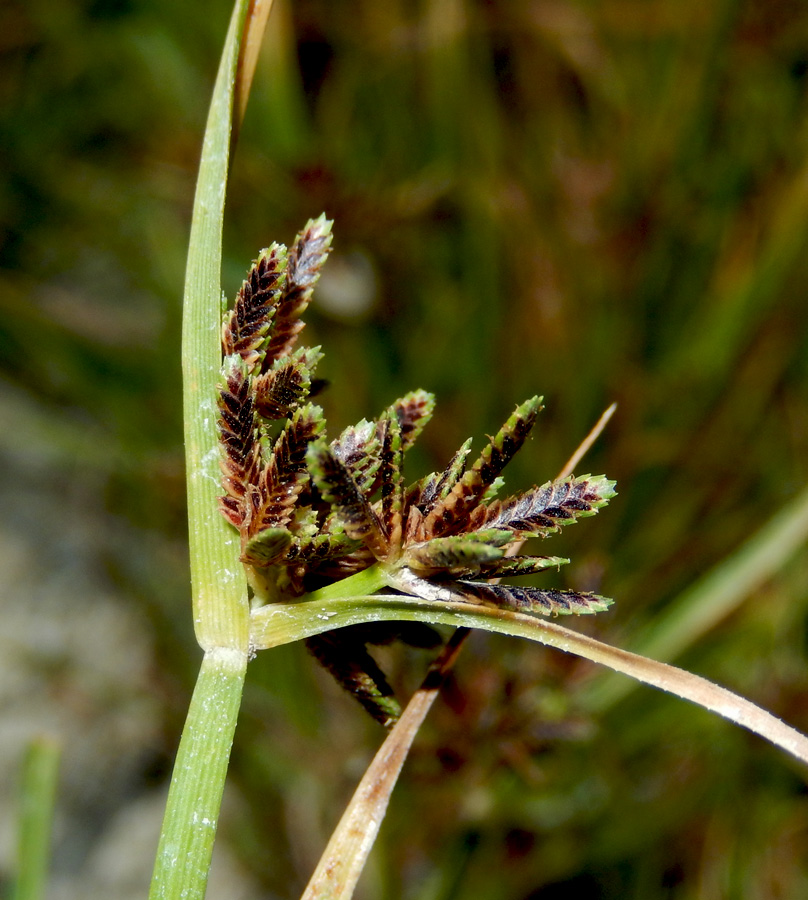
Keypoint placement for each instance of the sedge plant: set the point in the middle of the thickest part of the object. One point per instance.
(299, 534)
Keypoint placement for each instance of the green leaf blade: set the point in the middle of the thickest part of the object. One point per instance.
(272, 626)
(221, 614)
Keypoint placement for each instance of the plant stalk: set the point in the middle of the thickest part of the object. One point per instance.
(194, 798)
(37, 799)
(219, 589)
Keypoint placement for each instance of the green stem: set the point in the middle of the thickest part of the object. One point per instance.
(368, 581)
(192, 811)
(221, 610)
(37, 797)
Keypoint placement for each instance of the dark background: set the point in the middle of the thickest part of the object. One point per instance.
(594, 201)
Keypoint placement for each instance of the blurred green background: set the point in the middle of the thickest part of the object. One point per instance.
(595, 201)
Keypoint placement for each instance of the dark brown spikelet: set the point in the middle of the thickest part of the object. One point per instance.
(348, 660)
(246, 327)
(306, 257)
(334, 482)
(452, 512)
(282, 479)
(534, 600)
(278, 391)
(238, 435)
(545, 509)
(286, 384)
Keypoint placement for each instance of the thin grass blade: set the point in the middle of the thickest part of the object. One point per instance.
(711, 599)
(280, 623)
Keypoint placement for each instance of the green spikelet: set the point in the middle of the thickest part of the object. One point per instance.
(267, 547)
(413, 412)
(465, 553)
(392, 486)
(522, 565)
(496, 486)
(425, 495)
